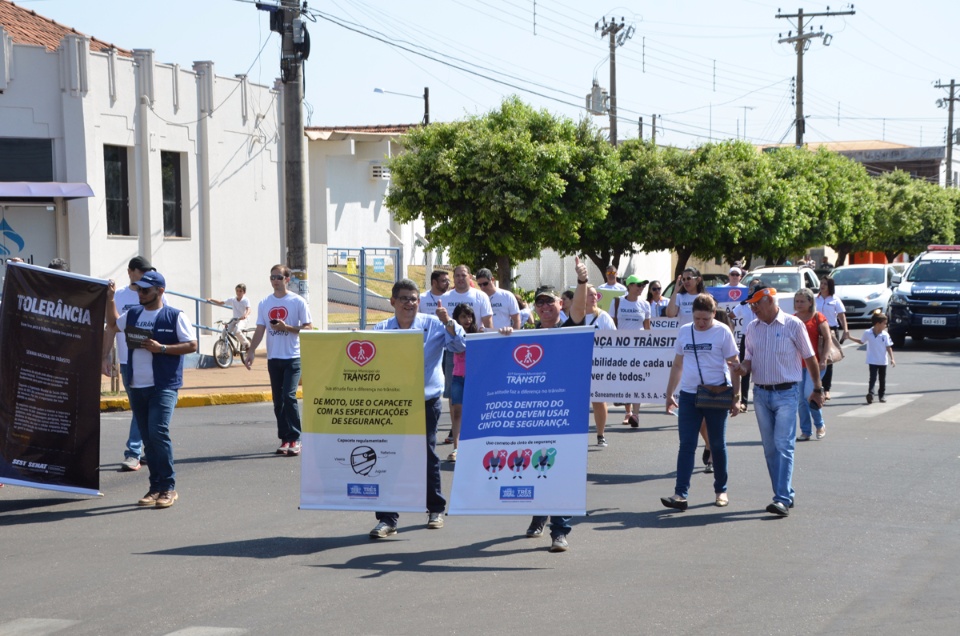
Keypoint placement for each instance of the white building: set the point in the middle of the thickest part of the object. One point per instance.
(179, 165)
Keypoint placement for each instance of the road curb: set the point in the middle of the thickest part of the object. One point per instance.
(208, 399)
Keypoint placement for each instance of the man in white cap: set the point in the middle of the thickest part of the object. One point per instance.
(736, 278)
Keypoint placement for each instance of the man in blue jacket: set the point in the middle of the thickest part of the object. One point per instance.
(158, 337)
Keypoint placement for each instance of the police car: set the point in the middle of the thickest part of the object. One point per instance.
(926, 299)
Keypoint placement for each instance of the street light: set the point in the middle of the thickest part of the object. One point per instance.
(425, 97)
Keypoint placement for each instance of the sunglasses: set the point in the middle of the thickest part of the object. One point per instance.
(144, 290)
(486, 284)
(544, 301)
(277, 277)
(654, 289)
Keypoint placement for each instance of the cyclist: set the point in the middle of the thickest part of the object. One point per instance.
(241, 309)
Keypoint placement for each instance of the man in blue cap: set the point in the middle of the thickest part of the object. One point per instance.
(158, 337)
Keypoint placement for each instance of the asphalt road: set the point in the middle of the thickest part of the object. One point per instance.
(873, 546)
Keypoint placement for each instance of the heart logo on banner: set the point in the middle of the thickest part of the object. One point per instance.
(736, 293)
(528, 355)
(361, 351)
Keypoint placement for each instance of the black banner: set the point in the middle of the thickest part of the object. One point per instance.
(51, 333)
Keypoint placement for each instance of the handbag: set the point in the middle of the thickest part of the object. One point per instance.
(710, 396)
(832, 351)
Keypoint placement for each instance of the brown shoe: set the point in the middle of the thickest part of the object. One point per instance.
(149, 499)
(166, 498)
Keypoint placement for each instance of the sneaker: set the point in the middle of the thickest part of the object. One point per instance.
(804, 437)
(293, 448)
(166, 498)
(601, 440)
(382, 530)
(535, 531)
(821, 432)
(283, 448)
(435, 520)
(149, 499)
(559, 544)
(708, 467)
(883, 399)
(869, 398)
(130, 464)
(452, 457)
(706, 456)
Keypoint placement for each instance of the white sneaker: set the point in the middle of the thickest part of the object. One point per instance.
(382, 530)
(435, 520)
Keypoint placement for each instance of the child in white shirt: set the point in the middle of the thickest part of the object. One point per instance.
(879, 345)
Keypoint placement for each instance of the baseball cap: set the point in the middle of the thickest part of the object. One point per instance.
(547, 290)
(736, 270)
(635, 280)
(152, 278)
(759, 293)
(139, 262)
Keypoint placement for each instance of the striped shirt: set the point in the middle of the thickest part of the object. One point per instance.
(774, 348)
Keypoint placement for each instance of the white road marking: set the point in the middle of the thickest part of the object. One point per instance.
(878, 408)
(952, 414)
(208, 631)
(34, 626)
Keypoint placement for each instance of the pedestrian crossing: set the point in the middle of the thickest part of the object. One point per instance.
(48, 626)
(894, 401)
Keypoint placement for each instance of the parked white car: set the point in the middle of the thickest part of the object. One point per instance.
(864, 289)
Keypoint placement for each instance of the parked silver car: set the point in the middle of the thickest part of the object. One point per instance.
(864, 289)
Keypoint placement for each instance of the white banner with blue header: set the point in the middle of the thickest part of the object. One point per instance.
(526, 409)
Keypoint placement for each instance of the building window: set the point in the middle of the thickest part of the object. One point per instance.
(116, 190)
(172, 194)
(26, 159)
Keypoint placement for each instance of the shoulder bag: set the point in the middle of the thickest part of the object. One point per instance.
(831, 351)
(710, 396)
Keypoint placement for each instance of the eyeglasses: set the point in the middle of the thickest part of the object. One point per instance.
(734, 274)
(544, 301)
(408, 300)
(483, 284)
(277, 277)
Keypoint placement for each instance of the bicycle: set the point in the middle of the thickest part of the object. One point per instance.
(227, 346)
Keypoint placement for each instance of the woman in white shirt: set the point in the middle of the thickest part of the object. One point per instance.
(832, 309)
(704, 350)
(601, 320)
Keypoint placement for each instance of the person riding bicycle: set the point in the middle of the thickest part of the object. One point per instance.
(241, 309)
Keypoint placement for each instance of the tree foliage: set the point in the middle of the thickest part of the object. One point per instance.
(504, 186)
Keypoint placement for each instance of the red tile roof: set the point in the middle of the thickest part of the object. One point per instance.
(27, 27)
(387, 129)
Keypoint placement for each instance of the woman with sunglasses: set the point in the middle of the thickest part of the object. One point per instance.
(832, 308)
(689, 285)
(282, 316)
(658, 303)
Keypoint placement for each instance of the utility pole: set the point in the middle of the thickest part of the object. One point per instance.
(745, 109)
(287, 20)
(801, 43)
(948, 104)
(653, 129)
(613, 30)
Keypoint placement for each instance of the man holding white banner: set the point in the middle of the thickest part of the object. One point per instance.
(440, 333)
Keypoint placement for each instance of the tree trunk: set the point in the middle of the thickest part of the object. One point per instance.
(683, 255)
(504, 273)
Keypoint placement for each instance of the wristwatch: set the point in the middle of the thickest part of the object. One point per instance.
(818, 390)
(451, 323)
(163, 348)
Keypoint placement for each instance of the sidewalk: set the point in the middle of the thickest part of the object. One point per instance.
(208, 387)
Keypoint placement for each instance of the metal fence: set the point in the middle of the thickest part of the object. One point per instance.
(359, 280)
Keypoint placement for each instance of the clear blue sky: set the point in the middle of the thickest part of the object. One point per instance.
(704, 65)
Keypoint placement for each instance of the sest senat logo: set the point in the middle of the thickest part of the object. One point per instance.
(361, 351)
(277, 313)
(528, 355)
(735, 293)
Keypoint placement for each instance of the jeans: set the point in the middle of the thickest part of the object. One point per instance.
(806, 413)
(875, 371)
(777, 418)
(284, 378)
(134, 439)
(559, 526)
(153, 409)
(688, 424)
(435, 500)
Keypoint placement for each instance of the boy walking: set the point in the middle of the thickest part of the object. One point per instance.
(879, 345)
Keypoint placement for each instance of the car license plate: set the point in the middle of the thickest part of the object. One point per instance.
(942, 321)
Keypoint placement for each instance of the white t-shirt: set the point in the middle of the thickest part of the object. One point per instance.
(473, 297)
(504, 304)
(142, 363)
(631, 314)
(714, 346)
(125, 299)
(239, 307)
(658, 307)
(830, 307)
(293, 310)
(685, 307)
(877, 346)
(429, 304)
(602, 320)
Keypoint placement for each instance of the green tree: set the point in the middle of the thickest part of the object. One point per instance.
(502, 187)
(911, 214)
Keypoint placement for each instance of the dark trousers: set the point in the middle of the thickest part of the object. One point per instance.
(284, 378)
(435, 500)
(877, 370)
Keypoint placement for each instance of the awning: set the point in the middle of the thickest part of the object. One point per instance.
(44, 190)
